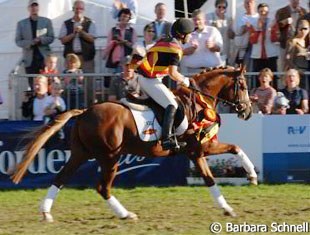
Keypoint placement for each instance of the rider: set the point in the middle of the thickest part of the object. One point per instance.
(162, 59)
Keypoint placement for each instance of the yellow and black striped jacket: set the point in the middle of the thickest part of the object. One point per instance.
(158, 58)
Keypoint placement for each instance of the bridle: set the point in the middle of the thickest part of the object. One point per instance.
(237, 103)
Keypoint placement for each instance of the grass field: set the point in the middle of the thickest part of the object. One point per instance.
(173, 210)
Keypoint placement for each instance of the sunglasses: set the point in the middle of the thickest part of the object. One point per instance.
(301, 29)
(221, 7)
(150, 31)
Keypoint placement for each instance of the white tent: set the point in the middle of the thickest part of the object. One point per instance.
(11, 11)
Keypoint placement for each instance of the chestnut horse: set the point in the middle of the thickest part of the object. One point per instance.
(108, 130)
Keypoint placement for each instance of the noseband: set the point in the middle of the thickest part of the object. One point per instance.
(237, 103)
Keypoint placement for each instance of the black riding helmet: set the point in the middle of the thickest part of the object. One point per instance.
(182, 27)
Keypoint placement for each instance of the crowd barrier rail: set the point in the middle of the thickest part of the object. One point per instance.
(18, 87)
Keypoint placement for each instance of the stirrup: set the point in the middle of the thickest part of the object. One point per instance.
(172, 144)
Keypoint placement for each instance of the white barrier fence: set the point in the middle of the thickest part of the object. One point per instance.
(278, 146)
(18, 83)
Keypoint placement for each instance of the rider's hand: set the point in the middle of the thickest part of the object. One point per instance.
(185, 82)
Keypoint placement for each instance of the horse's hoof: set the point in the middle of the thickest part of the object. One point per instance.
(47, 217)
(253, 181)
(230, 213)
(131, 216)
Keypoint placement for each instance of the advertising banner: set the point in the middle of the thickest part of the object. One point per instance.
(286, 141)
(286, 134)
(133, 170)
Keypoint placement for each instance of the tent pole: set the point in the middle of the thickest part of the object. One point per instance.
(233, 9)
(185, 8)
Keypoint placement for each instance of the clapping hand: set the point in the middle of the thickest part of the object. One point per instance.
(210, 44)
(36, 41)
(119, 5)
(299, 111)
(78, 29)
(254, 98)
(194, 44)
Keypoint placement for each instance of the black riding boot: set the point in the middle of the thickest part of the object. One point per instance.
(168, 139)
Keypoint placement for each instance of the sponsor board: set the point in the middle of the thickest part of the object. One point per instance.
(133, 170)
(286, 134)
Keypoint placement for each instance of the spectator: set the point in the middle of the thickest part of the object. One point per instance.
(120, 41)
(140, 48)
(74, 93)
(132, 5)
(33, 105)
(126, 83)
(161, 26)
(297, 96)
(286, 18)
(78, 36)
(34, 35)
(281, 104)
(263, 96)
(219, 20)
(263, 38)
(54, 105)
(242, 29)
(50, 65)
(297, 51)
(50, 68)
(203, 49)
(307, 15)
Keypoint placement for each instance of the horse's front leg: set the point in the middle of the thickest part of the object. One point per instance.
(214, 148)
(203, 167)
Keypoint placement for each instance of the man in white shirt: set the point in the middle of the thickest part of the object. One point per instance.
(203, 49)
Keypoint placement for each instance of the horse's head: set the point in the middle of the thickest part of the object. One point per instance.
(229, 86)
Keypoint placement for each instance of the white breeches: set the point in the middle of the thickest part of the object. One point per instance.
(154, 88)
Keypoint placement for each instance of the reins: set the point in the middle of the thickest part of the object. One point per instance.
(224, 101)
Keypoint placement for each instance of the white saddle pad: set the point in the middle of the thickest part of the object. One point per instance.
(147, 125)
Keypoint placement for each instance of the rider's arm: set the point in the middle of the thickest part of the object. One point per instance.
(178, 77)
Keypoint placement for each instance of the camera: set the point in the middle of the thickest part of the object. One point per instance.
(28, 93)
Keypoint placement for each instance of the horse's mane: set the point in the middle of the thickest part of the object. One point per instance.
(213, 72)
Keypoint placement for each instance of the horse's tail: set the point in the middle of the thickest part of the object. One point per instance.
(40, 138)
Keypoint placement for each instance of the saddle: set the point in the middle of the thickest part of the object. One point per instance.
(157, 109)
(149, 117)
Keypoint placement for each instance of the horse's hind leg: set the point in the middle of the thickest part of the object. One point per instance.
(215, 148)
(108, 170)
(78, 156)
(206, 173)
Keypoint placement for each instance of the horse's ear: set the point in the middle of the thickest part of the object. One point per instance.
(243, 68)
